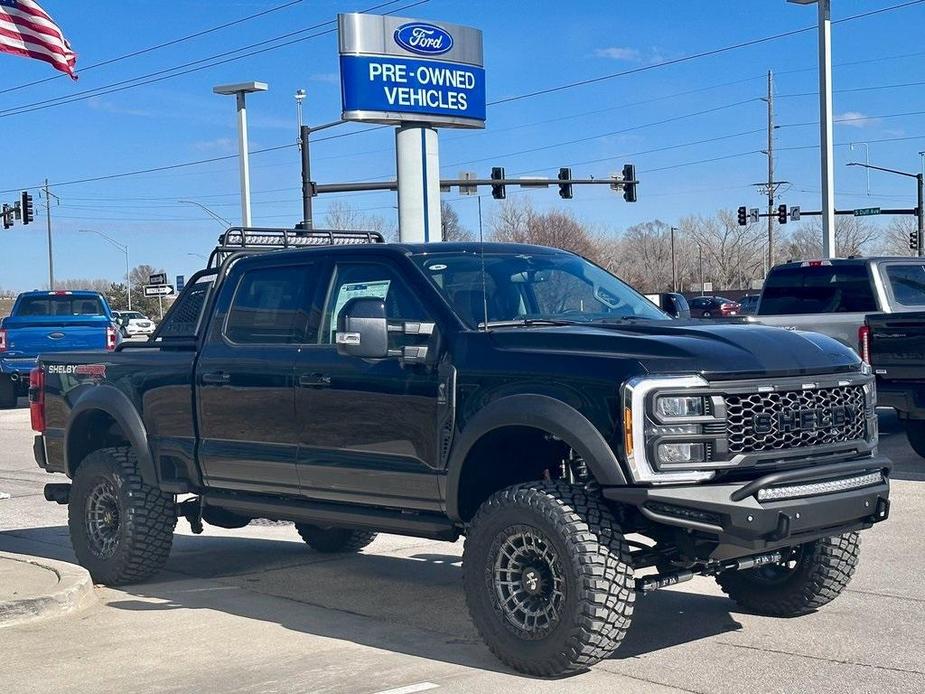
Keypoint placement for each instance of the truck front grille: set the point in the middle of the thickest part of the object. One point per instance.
(795, 418)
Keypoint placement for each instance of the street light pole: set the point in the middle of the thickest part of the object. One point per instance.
(920, 197)
(866, 159)
(124, 248)
(239, 91)
(827, 160)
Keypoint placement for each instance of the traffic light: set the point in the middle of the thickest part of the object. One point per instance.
(565, 189)
(7, 216)
(497, 189)
(25, 205)
(914, 240)
(782, 214)
(743, 216)
(629, 183)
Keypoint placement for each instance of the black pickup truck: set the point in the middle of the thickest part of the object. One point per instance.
(894, 345)
(588, 446)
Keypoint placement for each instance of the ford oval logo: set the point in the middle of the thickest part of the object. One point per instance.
(422, 38)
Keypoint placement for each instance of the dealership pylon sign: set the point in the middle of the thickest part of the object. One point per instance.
(397, 70)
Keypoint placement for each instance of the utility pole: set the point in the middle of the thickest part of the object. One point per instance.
(700, 253)
(674, 274)
(51, 262)
(920, 211)
(771, 186)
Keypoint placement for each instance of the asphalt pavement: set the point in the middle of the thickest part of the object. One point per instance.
(254, 610)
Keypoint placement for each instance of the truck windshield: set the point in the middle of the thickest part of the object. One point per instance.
(60, 305)
(526, 286)
(908, 283)
(838, 288)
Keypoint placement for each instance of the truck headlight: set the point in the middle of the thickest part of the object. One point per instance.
(680, 406)
(649, 416)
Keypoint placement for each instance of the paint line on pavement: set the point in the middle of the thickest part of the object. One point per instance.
(411, 688)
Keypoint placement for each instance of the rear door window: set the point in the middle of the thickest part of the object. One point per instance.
(273, 305)
(63, 305)
(907, 282)
(837, 288)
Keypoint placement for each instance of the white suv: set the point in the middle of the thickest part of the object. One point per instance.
(133, 323)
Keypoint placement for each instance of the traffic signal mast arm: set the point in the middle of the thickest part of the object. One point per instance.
(615, 183)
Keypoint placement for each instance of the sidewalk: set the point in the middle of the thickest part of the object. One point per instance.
(32, 588)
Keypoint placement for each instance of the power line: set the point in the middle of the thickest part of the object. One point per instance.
(178, 70)
(165, 44)
(693, 56)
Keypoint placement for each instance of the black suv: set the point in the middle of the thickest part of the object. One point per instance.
(518, 395)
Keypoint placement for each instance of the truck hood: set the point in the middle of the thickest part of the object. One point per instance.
(693, 347)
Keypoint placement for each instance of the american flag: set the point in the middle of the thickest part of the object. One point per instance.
(27, 30)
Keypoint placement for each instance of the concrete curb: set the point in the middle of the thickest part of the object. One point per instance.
(73, 592)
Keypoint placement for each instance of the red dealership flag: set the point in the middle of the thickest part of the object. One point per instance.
(27, 30)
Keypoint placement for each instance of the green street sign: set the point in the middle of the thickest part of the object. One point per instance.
(866, 211)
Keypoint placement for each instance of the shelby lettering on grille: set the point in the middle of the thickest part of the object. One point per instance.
(766, 421)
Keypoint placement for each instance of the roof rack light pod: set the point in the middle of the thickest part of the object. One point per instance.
(238, 238)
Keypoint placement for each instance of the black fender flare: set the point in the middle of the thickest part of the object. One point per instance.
(115, 403)
(539, 412)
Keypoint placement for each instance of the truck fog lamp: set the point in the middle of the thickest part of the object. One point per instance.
(679, 406)
(680, 453)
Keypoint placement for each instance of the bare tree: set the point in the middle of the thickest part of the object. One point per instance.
(641, 256)
(733, 255)
(344, 216)
(894, 239)
(853, 236)
(452, 229)
(558, 229)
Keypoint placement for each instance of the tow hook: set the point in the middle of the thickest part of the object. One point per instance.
(647, 584)
(58, 492)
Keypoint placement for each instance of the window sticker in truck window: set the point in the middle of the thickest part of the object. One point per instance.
(364, 290)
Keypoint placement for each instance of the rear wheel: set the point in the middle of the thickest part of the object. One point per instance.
(547, 578)
(333, 540)
(915, 432)
(809, 577)
(8, 394)
(121, 528)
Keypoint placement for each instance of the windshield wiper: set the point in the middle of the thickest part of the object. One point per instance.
(527, 322)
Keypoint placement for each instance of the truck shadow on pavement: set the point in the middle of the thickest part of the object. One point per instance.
(408, 601)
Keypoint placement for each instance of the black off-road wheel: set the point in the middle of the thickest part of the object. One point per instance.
(334, 540)
(121, 528)
(8, 394)
(915, 432)
(547, 578)
(808, 577)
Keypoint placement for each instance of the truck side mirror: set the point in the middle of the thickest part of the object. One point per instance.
(362, 330)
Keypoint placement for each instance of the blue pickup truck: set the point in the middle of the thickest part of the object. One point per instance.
(45, 322)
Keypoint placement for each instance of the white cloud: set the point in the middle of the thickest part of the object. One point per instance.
(98, 104)
(219, 144)
(329, 77)
(855, 119)
(619, 53)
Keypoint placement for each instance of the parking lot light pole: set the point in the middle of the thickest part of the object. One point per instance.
(239, 91)
(825, 124)
(124, 248)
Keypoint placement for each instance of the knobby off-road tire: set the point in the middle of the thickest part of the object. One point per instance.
(334, 540)
(8, 394)
(121, 528)
(915, 432)
(817, 573)
(547, 578)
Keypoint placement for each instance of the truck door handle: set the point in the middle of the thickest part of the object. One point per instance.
(314, 380)
(216, 378)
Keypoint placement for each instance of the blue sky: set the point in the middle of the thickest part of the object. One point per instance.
(178, 120)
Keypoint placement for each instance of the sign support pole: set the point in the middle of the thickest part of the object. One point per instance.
(418, 172)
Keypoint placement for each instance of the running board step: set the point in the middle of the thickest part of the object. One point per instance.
(429, 525)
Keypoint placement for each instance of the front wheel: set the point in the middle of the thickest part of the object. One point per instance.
(547, 578)
(915, 432)
(808, 577)
(121, 528)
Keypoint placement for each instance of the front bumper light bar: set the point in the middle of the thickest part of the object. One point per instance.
(795, 491)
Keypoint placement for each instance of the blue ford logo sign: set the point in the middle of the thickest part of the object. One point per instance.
(423, 38)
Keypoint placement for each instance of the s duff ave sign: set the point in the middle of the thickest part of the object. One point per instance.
(396, 70)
